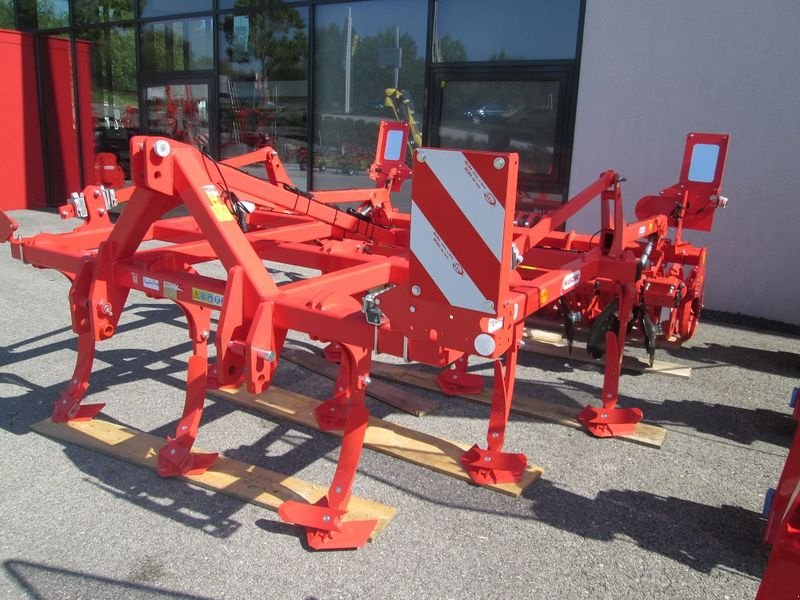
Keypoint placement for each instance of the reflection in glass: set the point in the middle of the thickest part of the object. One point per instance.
(115, 104)
(506, 116)
(703, 164)
(89, 12)
(177, 45)
(43, 14)
(358, 66)
(7, 14)
(538, 30)
(263, 62)
(166, 8)
(179, 111)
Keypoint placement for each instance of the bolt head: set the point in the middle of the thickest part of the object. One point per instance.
(172, 451)
(421, 156)
(162, 148)
(488, 459)
(412, 309)
(499, 163)
(416, 290)
(326, 518)
(495, 435)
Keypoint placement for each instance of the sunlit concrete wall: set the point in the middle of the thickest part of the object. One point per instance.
(651, 72)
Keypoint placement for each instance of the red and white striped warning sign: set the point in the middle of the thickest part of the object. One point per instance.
(461, 226)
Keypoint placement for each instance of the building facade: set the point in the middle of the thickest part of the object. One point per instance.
(574, 86)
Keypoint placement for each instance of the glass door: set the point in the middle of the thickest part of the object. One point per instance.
(507, 110)
(180, 109)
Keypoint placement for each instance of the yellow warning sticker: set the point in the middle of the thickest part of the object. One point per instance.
(218, 206)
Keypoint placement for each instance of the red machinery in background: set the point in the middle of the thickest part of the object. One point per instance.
(451, 279)
(781, 580)
(666, 300)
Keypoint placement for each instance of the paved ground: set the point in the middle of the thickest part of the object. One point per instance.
(609, 519)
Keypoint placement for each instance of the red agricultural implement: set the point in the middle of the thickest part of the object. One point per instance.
(451, 279)
(782, 508)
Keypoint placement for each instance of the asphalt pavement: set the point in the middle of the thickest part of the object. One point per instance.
(609, 519)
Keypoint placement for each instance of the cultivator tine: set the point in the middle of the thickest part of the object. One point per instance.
(176, 457)
(325, 529)
(610, 420)
(492, 465)
(68, 407)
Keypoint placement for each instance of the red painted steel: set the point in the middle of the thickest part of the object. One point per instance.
(21, 159)
(781, 579)
(455, 278)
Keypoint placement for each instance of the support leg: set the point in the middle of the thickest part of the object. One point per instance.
(610, 420)
(176, 457)
(352, 380)
(455, 381)
(492, 465)
(325, 527)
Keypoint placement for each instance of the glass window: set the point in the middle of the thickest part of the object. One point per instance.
(537, 30)
(89, 12)
(165, 8)
(7, 14)
(263, 63)
(258, 4)
(364, 52)
(179, 111)
(506, 116)
(177, 45)
(43, 14)
(114, 100)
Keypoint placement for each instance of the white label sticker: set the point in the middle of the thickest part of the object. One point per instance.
(171, 290)
(570, 281)
(494, 324)
(642, 230)
(151, 284)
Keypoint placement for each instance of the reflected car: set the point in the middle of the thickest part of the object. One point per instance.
(487, 112)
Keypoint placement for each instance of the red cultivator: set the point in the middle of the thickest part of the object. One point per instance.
(452, 279)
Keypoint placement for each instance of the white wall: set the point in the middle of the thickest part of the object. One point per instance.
(654, 70)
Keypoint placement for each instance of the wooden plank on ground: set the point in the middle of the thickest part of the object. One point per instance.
(250, 483)
(647, 435)
(380, 390)
(400, 442)
(545, 342)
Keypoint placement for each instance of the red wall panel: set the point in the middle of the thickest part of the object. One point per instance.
(21, 157)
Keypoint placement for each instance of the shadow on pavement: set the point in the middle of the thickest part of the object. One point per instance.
(45, 582)
(699, 536)
(733, 423)
(775, 362)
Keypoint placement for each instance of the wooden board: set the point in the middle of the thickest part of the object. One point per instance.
(250, 483)
(545, 342)
(380, 390)
(400, 442)
(647, 435)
